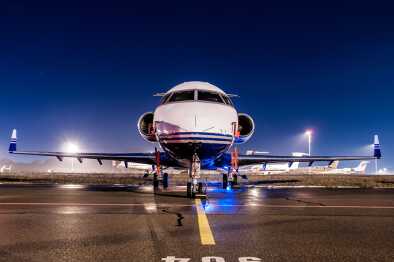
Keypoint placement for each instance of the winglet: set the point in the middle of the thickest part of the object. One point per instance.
(12, 147)
(376, 147)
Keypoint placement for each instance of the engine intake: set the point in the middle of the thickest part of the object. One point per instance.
(245, 128)
(145, 127)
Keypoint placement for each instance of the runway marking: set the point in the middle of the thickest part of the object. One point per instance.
(206, 235)
(184, 205)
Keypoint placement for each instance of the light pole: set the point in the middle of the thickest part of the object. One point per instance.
(309, 134)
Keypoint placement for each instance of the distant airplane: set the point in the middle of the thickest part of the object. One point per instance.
(360, 169)
(144, 167)
(5, 169)
(270, 168)
(195, 124)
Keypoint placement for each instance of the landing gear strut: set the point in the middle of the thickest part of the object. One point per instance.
(233, 171)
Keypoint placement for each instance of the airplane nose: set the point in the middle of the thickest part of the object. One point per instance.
(196, 117)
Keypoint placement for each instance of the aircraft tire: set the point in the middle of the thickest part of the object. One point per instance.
(165, 180)
(155, 182)
(200, 188)
(189, 190)
(235, 180)
(225, 181)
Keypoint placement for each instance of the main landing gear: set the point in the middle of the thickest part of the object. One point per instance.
(232, 176)
(157, 178)
(164, 176)
(230, 179)
(164, 179)
(195, 188)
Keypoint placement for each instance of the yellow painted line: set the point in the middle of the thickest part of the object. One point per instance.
(206, 235)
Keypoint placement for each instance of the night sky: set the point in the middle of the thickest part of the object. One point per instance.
(86, 72)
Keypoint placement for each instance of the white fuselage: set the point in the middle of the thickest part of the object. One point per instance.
(186, 128)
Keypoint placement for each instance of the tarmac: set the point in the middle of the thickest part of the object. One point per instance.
(53, 222)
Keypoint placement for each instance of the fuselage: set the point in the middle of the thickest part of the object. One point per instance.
(195, 118)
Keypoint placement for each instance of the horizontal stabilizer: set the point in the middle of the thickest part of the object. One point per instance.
(376, 147)
(12, 147)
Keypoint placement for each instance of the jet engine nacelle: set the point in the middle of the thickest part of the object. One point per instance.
(145, 127)
(245, 128)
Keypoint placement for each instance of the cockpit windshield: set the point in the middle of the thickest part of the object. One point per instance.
(209, 97)
(201, 95)
(182, 96)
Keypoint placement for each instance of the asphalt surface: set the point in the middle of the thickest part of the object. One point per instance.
(130, 223)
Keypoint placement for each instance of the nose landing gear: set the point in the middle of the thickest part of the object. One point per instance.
(195, 188)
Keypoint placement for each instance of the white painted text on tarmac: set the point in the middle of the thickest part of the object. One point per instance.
(209, 259)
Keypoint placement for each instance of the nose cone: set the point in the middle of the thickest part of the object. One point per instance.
(195, 117)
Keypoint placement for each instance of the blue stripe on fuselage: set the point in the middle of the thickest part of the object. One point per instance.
(196, 133)
(196, 138)
(207, 152)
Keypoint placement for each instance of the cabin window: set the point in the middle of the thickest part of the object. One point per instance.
(210, 97)
(182, 96)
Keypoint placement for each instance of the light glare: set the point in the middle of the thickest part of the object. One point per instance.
(71, 148)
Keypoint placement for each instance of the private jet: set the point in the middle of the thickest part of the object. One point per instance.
(196, 127)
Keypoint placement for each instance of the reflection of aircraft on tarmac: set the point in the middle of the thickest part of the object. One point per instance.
(195, 124)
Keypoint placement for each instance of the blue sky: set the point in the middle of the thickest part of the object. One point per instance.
(87, 71)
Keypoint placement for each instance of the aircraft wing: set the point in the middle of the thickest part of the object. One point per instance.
(263, 159)
(252, 160)
(143, 158)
